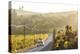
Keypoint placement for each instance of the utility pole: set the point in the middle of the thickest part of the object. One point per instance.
(21, 8)
(24, 35)
(54, 33)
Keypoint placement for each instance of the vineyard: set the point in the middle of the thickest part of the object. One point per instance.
(17, 41)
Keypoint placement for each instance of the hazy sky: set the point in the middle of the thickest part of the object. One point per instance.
(43, 7)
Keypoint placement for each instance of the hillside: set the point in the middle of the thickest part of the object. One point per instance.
(41, 22)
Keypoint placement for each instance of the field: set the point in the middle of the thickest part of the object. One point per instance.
(19, 43)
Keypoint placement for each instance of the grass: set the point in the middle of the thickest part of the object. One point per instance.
(18, 41)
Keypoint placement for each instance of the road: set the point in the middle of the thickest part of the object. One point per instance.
(47, 45)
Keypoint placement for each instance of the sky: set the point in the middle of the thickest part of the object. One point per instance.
(43, 7)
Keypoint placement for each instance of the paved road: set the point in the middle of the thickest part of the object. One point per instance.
(47, 45)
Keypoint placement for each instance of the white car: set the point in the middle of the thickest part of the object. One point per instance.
(39, 42)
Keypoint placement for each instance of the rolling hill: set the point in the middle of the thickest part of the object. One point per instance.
(41, 22)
